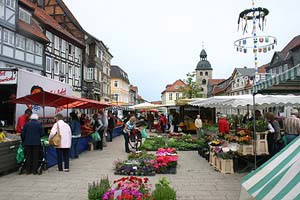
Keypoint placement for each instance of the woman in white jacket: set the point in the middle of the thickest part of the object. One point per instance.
(63, 150)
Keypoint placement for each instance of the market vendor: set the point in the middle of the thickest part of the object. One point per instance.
(223, 124)
(22, 120)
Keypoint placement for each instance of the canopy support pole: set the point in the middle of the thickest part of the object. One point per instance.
(254, 132)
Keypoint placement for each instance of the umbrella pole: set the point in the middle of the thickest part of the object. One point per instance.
(43, 105)
(254, 131)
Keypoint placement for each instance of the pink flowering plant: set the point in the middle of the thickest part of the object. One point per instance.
(166, 159)
(129, 188)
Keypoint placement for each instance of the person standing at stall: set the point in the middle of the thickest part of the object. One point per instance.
(63, 150)
(198, 124)
(22, 120)
(31, 140)
(223, 124)
(292, 126)
(111, 126)
(76, 134)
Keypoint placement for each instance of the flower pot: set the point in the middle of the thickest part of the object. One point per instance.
(226, 166)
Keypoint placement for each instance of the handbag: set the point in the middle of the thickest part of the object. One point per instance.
(56, 139)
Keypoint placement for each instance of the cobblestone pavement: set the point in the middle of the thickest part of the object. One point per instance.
(195, 178)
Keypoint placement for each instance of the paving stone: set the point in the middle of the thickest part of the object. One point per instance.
(195, 178)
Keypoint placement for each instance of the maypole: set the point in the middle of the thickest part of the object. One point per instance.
(257, 44)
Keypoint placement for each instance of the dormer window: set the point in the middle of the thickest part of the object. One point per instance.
(24, 15)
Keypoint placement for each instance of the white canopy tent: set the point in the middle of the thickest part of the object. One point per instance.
(144, 106)
(246, 101)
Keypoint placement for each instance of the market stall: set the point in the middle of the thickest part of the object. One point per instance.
(60, 101)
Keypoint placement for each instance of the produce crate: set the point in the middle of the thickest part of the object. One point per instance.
(226, 166)
(246, 149)
(262, 143)
(8, 151)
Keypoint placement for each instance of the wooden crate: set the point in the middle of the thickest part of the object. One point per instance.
(246, 149)
(262, 143)
(218, 163)
(226, 166)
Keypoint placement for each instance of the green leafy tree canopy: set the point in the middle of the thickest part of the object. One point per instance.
(192, 88)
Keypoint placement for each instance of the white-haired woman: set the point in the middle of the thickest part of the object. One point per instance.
(31, 140)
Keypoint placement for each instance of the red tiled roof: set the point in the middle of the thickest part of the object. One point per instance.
(292, 44)
(215, 81)
(174, 87)
(47, 20)
(262, 69)
(32, 29)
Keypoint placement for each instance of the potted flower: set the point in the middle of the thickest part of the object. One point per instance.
(163, 191)
(96, 190)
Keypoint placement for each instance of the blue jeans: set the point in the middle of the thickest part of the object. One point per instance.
(290, 137)
(74, 148)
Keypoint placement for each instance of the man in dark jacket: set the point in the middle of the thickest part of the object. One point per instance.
(31, 139)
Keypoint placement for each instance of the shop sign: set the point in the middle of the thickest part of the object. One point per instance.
(8, 77)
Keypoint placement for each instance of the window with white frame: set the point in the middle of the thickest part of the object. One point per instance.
(50, 37)
(90, 73)
(20, 42)
(2, 9)
(70, 49)
(48, 64)
(10, 3)
(0, 33)
(56, 67)
(63, 68)
(56, 42)
(70, 71)
(170, 96)
(63, 46)
(8, 37)
(116, 97)
(76, 72)
(29, 45)
(177, 95)
(116, 83)
(38, 48)
(25, 16)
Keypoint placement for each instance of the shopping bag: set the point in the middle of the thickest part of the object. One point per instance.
(202, 133)
(284, 140)
(96, 136)
(20, 154)
(56, 139)
(144, 133)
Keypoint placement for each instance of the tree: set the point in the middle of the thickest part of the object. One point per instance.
(192, 88)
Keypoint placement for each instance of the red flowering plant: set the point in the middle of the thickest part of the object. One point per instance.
(129, 188)
(166, 159)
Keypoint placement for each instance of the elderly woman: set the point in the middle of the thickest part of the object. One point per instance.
(273, 137)
(31, 138)
(63, 150)
(130, 124)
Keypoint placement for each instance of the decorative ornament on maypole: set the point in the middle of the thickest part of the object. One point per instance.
(257, 44)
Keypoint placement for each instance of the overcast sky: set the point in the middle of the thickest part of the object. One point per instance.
(159, 41)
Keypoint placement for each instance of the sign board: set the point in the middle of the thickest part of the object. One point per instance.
(8, 77)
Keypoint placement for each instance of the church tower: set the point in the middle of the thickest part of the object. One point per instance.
(203, 72)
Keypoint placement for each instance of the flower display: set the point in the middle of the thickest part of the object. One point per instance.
(245, 139)
(129, 188)
(166, 160)
(215, 143)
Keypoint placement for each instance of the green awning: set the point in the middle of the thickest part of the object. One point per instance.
(277, 179)
(287, 82)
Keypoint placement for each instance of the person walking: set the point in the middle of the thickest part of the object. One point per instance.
(63, 150)
(98, 127)
(292, 126)
(198, 124)
(31, 140)
(76, 134)
(150, 119)
(22, 120)
(170, 121)
(104, 120)
(126, 132)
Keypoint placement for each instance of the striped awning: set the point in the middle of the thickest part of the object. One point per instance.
(287, 82)
(278, 178)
